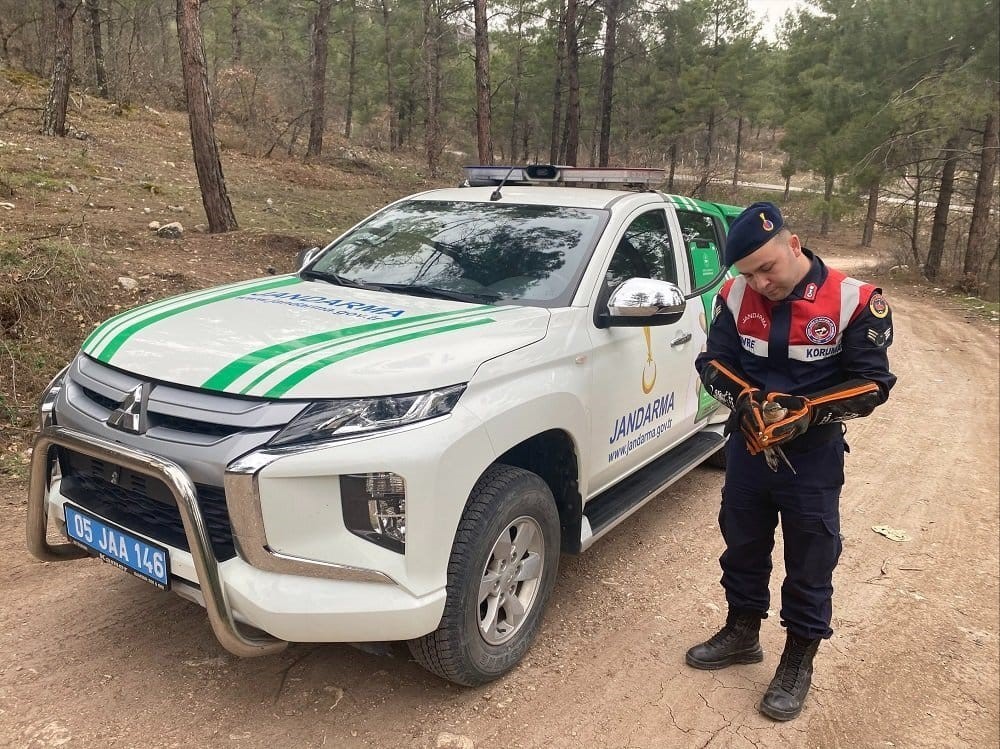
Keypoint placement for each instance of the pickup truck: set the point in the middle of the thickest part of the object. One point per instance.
(396, 442)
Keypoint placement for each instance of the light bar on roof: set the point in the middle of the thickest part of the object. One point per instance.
(494, 175)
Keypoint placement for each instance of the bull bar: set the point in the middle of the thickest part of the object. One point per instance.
(220, 614)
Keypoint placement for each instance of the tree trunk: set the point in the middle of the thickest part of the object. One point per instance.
(706, 162)
(571, 133)
(207, 164)
(739, 151)
(788, 187)
(516, 84)
(408, 104)
(939, 228)
(612, 8)
(673, 167)
(234, 31)
(100, 72)
(484, 115)
(431, 86)
(824, 227)
(54, 114)
(918, 193)
(317, 122)
(166, 61)
(111, 53)
(294, 138)
(352, 69)
(869, 231)
(974, 250)
(557, 85)
(390, 102)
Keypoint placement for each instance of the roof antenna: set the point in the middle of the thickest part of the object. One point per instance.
(495, 195)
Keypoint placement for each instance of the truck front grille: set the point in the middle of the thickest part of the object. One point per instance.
(142, 503)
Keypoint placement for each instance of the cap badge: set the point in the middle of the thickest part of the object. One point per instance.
(765, 222)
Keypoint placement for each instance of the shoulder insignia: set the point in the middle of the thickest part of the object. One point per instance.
(878, 305)
(880, 337)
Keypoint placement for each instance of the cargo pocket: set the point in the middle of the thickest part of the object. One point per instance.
(832, 525)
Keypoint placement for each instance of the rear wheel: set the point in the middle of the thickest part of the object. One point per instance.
(718, 458)
(500, 575)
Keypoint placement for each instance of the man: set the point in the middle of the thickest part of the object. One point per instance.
(795, 349)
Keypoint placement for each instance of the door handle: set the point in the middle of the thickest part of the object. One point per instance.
(681, 339)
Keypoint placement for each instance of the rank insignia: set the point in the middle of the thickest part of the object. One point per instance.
(879, 337)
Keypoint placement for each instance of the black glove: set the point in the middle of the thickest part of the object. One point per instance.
(797, 416)
(853, 399)
(750, 418)
(723, 384)
(850, 400)
(740, 396)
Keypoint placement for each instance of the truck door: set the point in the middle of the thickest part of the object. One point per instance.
(704, 239)
(644, 383)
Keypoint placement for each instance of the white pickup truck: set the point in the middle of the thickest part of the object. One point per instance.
(397, 441)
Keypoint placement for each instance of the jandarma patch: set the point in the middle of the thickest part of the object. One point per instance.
(821, 330)
(753, 317)
(878, 305)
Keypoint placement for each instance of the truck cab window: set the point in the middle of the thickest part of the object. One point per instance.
(644, 251)
(703, 240)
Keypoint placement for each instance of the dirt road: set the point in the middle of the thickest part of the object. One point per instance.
(92, 658)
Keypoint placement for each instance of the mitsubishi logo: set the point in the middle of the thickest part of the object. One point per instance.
(130, 416)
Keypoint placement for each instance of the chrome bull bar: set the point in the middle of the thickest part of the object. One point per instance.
(220, 614)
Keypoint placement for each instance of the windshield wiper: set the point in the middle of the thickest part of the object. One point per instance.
(438, 293)
(336, 278)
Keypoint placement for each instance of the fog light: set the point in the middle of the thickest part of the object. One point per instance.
(374, 507)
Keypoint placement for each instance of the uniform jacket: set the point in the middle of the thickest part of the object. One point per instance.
(829, 330)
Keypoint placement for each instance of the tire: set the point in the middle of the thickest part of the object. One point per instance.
(717, 459)
(484, 635)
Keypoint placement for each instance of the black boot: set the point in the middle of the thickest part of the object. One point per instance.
(737, 642)
(790, 685)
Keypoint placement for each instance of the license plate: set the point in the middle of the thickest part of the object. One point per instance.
(118, 547)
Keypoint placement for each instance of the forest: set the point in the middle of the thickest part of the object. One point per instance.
(887, 108)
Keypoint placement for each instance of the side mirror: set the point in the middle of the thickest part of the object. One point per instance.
(307, 256)
(641, 302)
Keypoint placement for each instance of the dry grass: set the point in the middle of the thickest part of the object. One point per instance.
(82, 205)
(81, 209)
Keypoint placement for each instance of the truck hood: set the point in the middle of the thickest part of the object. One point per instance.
(282, 337)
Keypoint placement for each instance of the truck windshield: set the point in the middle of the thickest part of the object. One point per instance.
(490, 251)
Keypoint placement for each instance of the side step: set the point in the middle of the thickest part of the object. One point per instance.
(613, 505)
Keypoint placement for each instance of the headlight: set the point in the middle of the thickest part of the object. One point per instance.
(47, 403)
(341, 419)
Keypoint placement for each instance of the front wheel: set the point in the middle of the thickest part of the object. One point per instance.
(500, 574)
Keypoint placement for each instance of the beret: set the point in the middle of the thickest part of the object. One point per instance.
(751, 230)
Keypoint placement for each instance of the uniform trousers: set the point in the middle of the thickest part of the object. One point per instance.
(808, 504)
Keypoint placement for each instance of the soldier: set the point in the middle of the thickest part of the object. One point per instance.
(793, 335)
